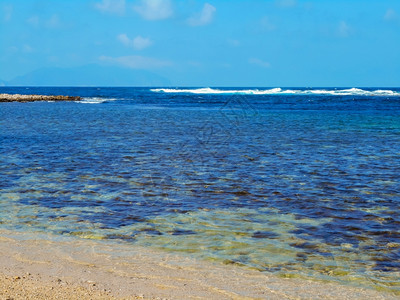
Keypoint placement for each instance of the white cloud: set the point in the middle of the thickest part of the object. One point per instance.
(111, 6)
(8, 10)
(27, 48)
(53, 58)
(344, 30)
(267, 25)
(204, 17)
(259, 62)
(12, 49)
(233, 43)
(286, 3)
(136, 62)
(33, 21)
(390, 15)
(138, 43)
(154, 9)
(194, 63)
(53, 22)
(123, 38)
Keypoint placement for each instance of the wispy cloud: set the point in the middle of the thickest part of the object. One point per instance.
(8, 11)
(111, 6)
(123, 38)
(194, 63)
(390, 15)
(138, 43)
(12, 49)
(27, 48)
(53, 22)
(136, 62)
(204, 17)
(259, 62)
(33, 21)
(266, 24)
(233, 42)
(344, 29)
(154, 9)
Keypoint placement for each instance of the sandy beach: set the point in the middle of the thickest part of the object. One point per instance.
(41, 267)
(165, 149)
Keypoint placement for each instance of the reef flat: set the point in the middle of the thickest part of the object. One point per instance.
(32, 98)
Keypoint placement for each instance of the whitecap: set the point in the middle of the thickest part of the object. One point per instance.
(95, 100)
(280, 91)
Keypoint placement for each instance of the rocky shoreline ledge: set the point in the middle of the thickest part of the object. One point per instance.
(32, 98)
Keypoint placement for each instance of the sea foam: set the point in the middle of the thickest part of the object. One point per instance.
(95, 100)
(280, 91)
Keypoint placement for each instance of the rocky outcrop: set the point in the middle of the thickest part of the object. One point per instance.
(31, 98)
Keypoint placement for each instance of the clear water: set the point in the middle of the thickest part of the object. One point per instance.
(302, 184)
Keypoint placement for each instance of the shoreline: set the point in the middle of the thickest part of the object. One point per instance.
(48, 267)
(33, 98)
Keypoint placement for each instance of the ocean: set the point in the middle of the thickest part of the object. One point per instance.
(300, 182)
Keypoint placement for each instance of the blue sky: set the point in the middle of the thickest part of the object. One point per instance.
(350, 43)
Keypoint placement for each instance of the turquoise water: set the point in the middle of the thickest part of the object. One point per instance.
(299, 182)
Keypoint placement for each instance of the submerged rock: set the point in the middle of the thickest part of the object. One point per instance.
(31, 98)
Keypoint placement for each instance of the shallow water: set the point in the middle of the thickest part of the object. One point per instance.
(302, 185)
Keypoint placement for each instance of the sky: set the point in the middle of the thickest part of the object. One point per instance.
(269, 43)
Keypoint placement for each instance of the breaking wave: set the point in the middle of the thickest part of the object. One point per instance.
(95, 100)
(279, 91)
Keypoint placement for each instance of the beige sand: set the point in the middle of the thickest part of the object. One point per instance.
(33, 287)
(39, 267)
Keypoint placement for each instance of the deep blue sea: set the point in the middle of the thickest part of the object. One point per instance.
(296, 181)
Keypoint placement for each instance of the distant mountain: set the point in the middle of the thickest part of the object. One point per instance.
(89, 75)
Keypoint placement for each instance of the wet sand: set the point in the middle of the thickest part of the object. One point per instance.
(45, 267)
